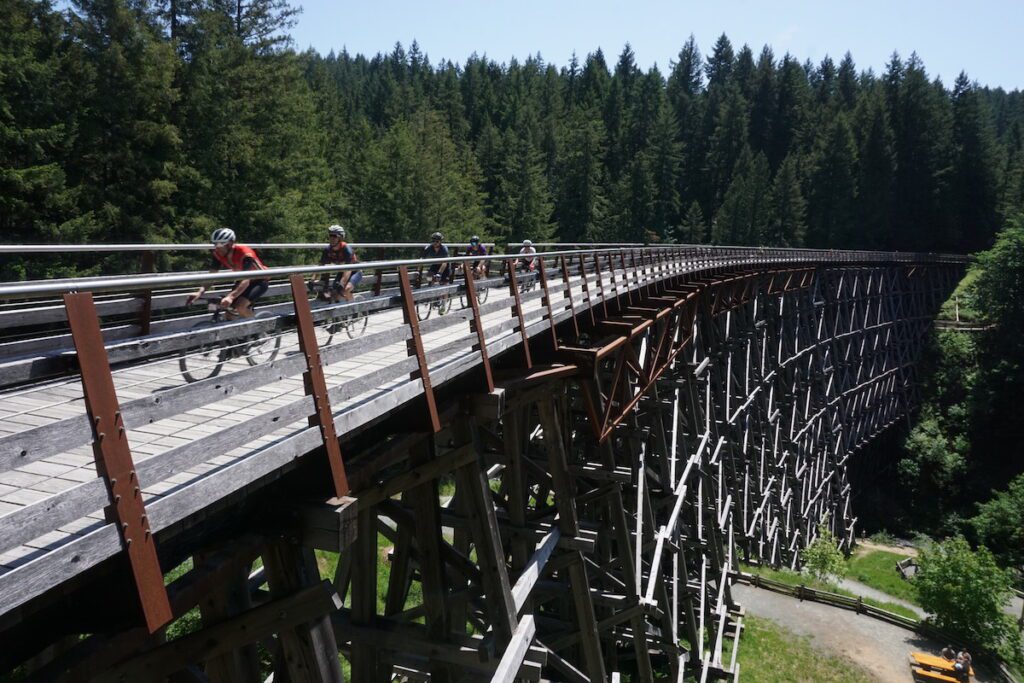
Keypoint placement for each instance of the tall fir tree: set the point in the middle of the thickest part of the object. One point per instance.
(974, 181)
(786, 225)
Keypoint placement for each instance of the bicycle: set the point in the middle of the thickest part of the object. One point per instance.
(353, 324)
(526, 278)
(208, 359)
(481, 292)
(443, 304)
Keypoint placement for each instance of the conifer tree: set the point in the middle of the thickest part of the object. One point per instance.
(125, 154)
(974, 168)
(786, 212)
(876, 171)
(580, 205)
(693, 229)
(522, 203)
(34, 197)
(831, 218)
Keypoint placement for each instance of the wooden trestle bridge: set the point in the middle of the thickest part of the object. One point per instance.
(553, 482)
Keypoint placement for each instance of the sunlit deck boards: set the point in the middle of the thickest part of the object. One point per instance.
(448, 344)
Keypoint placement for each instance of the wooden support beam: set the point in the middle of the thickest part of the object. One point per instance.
(310, 652)
(260, 622)
(328, 525)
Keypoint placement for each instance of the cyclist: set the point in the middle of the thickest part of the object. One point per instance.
(439, 272)
(336, 253)
(527, 250)
(476, 248)
(227, 254)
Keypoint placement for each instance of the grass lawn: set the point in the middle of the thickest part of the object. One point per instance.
(794, 579)
(877, 568)
(770, 653)
(963, 295)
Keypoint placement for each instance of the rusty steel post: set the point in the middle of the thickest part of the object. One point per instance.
(114, 460)
(415, 348)
(567, 294)
(600, 284)
(316, 384)
(546, 301)
(147, 265)
(378, 277)
(517, 310)
(476, 325)
(586, 290)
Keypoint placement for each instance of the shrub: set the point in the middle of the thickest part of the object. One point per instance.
(966, 591)
(822, 558)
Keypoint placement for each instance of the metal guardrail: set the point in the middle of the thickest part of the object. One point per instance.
(702, 254)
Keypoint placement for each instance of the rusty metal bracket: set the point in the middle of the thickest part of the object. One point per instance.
(414, 346)
(547, 302)
(147, 265)
(567, 294)
(114, 459)
(316, 384)
(517, 311)
(476, 326)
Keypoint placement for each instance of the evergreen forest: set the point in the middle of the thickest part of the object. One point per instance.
(160, 120)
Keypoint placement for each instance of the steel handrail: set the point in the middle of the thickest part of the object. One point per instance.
(34, 289)
(82, 248)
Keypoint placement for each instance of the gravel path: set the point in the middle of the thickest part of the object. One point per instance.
(882, 648)
(858, 588)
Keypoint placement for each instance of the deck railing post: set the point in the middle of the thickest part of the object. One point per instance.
(114, 459)
(586, 289)
(147, 265)
(546, 301)
(414, 346)
(567, 294)
(476, 325)
(517, 309)
(600, 284)
(316, 385)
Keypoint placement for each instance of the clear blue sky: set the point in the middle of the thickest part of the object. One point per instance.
(982, 37)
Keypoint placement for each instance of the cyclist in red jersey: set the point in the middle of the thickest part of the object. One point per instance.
(227, 254)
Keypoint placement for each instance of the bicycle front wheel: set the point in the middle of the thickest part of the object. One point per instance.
(356, 326)
(423, 310)
(203, 362)
(264, 348)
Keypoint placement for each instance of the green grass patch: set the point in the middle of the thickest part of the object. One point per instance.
(877, 568)
(963, 296)
(771, 653)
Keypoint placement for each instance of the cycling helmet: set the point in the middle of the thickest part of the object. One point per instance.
(436, 237)
(336, 230)
(475, 239)
(222, 236)
(527, 243)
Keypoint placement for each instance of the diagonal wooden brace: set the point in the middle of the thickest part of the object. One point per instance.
(316, 384)
(114, 459)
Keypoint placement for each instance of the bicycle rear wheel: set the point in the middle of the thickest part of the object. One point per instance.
(444, 304)
(356, 326)
(265, 346)
(203, 362)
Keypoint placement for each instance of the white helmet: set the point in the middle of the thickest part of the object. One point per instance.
(527, 243)
(222, 236)
(336, 230)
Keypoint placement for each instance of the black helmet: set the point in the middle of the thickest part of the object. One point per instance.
(436, 237)
(475, 239)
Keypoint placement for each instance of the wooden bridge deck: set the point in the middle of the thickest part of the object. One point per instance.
(64, 484)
